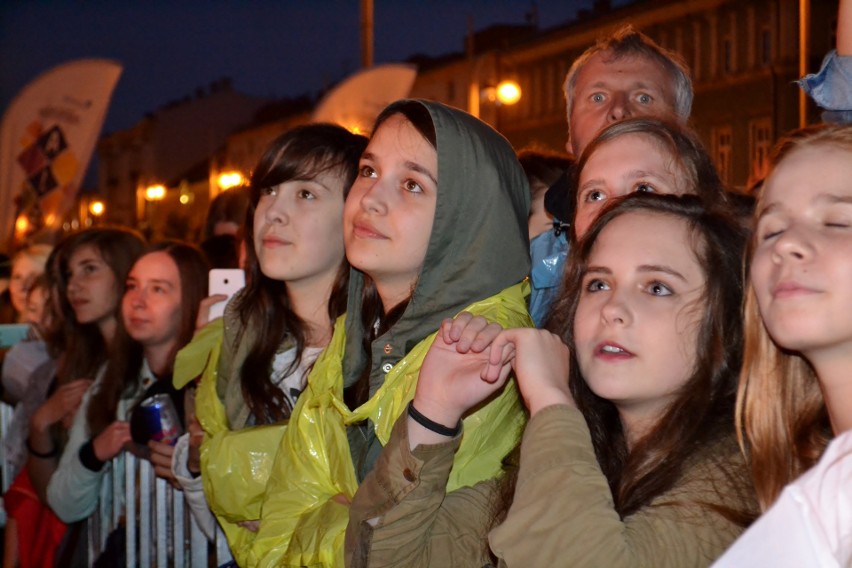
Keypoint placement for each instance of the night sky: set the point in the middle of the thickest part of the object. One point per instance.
(268, 48)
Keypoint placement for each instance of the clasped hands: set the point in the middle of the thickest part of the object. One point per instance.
(471, 359)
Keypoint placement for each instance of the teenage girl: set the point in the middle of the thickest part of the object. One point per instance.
(795, 392)
(88, 282)
(637, 155)
(85, 275)
(435, 223)
(27, 265)
(629, 458)
(159, 307)
(274, 329)
(642, 155)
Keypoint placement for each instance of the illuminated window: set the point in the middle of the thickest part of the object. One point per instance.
(759, 144)
(722, 148)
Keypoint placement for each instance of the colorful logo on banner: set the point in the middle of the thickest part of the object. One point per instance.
(48, 163)
(47, 135)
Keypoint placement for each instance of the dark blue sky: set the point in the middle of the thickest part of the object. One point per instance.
(268, 48)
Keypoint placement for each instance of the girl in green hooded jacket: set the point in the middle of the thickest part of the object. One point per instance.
(435, 224)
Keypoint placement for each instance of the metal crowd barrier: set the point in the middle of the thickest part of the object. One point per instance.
(159, 529)
(6, 412)
(5, 467)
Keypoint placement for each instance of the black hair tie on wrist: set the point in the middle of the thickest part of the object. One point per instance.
(88, 458)
(42, 455)
(431, 425)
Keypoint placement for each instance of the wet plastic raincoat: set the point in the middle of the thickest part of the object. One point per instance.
(236, 458)
(477, 260)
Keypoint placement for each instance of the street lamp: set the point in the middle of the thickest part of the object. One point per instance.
(227, 180)
(97, 208)
(155, 192)
(507, 92)
(22, 224)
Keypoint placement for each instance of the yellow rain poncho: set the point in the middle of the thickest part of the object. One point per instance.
(477, 260)
(235, 464)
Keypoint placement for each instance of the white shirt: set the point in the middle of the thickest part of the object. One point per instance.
(293, 384)
(811, 522)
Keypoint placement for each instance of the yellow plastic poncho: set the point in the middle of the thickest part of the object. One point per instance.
(301, 524)
(235, 464)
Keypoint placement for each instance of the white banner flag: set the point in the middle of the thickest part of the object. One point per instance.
(46, 141)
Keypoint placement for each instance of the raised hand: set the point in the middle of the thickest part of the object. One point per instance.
(451, 377)
(469, 332)
(112, 440)
(161, 458)
(252, 526)
(204, 309)
(61, 406)
(540, 360)
(196, 436)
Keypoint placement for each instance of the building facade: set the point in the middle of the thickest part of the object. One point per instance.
(744, 57)
(169, 147)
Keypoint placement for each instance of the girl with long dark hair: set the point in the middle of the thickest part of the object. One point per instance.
(255, 359)
(84, 279)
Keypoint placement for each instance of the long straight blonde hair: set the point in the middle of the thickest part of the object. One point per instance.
(781, 416)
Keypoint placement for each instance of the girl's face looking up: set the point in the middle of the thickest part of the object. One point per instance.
(638, 316)
(801, 269)
(387, 220)
(631, 162)
(297, 229)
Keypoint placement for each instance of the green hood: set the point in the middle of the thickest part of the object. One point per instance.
(479, 243)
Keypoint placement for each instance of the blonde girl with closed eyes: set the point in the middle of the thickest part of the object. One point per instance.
(794, 407)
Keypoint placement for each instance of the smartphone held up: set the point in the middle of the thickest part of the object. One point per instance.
(227, 281)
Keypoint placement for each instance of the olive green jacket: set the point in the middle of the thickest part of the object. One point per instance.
(562, 513)
(477, 259)
(478, 247)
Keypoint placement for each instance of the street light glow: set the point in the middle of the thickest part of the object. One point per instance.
(508, 92)
(155, 192)
(22, 224)
(97, 208)
(228, 180)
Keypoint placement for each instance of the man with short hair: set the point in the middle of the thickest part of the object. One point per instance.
(624, 75)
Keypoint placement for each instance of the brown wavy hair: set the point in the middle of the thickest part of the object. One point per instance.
(82, 347)
(301, 153)
(781, 417)
(701, 416)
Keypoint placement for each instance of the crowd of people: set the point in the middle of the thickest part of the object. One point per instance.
(450, 354)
